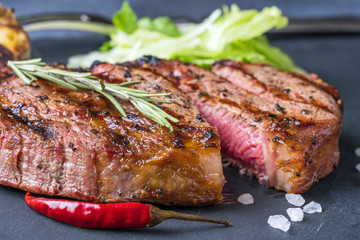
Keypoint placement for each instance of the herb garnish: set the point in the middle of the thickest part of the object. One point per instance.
(30, 70)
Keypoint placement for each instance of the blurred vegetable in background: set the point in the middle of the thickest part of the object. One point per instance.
(229, 33)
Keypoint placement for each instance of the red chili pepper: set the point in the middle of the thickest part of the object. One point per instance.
(111, 216)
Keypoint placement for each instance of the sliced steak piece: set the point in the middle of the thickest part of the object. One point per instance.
(60, 142)
(287, 142)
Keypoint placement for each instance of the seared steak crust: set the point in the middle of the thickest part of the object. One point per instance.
(280, 86)
(272, 129)
(76, 144)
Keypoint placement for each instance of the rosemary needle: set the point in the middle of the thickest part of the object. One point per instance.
(30, 70)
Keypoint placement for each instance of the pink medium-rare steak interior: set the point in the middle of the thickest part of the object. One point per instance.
(238, 140)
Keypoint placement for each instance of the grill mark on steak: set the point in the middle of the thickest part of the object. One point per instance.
(38, 126)
(264, 136)
(314, 80)
(248, 108)
(273, 90)
(250, 76)
(275, 82)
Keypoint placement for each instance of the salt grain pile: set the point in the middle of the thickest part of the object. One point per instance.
(295, 214)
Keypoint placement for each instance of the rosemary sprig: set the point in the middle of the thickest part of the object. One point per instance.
(30, 70)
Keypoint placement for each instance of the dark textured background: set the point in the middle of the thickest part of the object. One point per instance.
(335, 58)
(189, 9)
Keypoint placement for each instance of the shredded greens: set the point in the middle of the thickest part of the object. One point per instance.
(229, 33)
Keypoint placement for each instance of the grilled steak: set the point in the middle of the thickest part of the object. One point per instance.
(281, 127)
(56, 141)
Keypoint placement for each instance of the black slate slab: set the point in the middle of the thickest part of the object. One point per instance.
(336, 59)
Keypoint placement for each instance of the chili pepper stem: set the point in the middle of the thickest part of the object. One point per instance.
(158, 215)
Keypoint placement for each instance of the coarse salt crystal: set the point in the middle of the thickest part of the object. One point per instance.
(295, 214)
(279, 222)
(295, 199)
(246, 199)
(358, 167)
(357, 151)
(312, 207)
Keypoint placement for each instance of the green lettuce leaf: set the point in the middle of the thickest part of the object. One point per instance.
(229, 33)
(125, 19)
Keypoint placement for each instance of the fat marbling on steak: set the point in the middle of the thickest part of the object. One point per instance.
(281, 127)
(75, 144)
